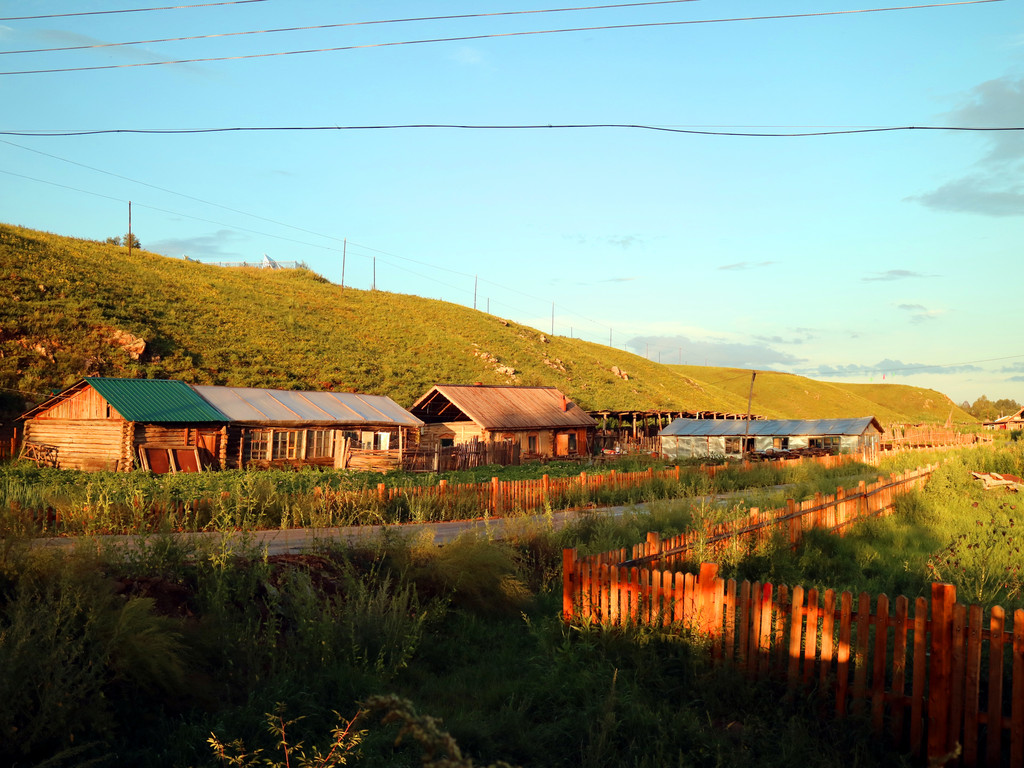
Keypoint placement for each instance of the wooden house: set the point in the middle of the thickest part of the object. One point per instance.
(540, 422)
(691, 438)
(1013, 421)
(171, 426)
(107, 424)
(346, 430)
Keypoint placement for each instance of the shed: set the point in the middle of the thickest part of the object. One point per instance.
(686, 438)
(167, 425)
(541, 421)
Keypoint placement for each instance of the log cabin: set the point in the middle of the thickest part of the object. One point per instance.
(171, 426)
(540, 422)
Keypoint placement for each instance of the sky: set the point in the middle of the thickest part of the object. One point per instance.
(708, 182)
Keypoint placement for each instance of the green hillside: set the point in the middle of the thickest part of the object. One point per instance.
(797, 397)
(70, 308)
(917, 403)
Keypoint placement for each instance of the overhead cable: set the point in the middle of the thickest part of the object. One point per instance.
(126, 10)
(549, 126)
(348, 24)
(465, 38)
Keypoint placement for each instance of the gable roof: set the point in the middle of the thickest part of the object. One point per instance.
(769, 427)
(291, 407)
(501, 407)
(144, 400)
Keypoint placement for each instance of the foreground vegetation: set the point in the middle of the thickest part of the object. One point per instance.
(178, 653)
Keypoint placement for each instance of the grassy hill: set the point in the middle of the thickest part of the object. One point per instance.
(790, 396)
(71, 307)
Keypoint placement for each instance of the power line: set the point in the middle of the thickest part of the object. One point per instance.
(127, 10)
(465, 38)
(510, 127)
(348, 24)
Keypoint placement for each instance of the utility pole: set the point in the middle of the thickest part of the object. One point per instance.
(344, 253)
(750, 399)
(129, 228)
(552, 318)
(373, 285)
(476, 279)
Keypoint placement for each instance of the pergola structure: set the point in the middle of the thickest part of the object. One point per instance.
(636, 424)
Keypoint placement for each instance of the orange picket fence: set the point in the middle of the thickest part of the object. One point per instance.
(500, 497)
(937, 676)
(832, 512)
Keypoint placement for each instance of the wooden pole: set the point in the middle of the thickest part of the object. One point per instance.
(750, 399)
(129, 228)
(344, 253)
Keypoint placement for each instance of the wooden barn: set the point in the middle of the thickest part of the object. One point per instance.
(540, 422)
(691, 438)
(170, 426)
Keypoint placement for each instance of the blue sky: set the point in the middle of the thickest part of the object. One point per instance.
(846, 257)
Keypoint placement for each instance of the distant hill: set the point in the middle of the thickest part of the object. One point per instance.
(71, 307)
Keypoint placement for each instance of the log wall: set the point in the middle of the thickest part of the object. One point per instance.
(83, 444)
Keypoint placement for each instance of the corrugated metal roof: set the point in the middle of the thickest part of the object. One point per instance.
(278, 406)
(510, 408)
(769, 427)
(155, 400)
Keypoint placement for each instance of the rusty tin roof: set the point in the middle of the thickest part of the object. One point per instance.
(501, 407)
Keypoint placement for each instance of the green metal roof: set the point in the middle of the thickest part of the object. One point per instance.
(155, 400)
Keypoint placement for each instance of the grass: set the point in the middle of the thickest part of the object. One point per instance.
(64, 502)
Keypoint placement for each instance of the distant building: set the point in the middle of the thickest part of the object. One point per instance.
(539, 421)
(171, 426)
(1013, 421)
(691, 438)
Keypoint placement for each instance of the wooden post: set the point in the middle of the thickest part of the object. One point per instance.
(940, 672)
(495, 496)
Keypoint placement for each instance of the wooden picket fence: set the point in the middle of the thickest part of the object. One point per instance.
(941, 680)
(833, 512)
(500, 497)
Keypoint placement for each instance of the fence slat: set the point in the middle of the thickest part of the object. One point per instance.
(878, 663)
(899, 667)
(796, 620)
(997, 619)
(860, 660)
(1017, 708)
(920, 676)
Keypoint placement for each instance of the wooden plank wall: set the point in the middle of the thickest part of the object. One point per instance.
(86, 404)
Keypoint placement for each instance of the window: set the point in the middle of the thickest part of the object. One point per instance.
(572, 442)
(780, 443)
(257, 445)
(734, 445)
(382, 441)
(286, 445)
(320, 444)
(531, 444)
(366, 441)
